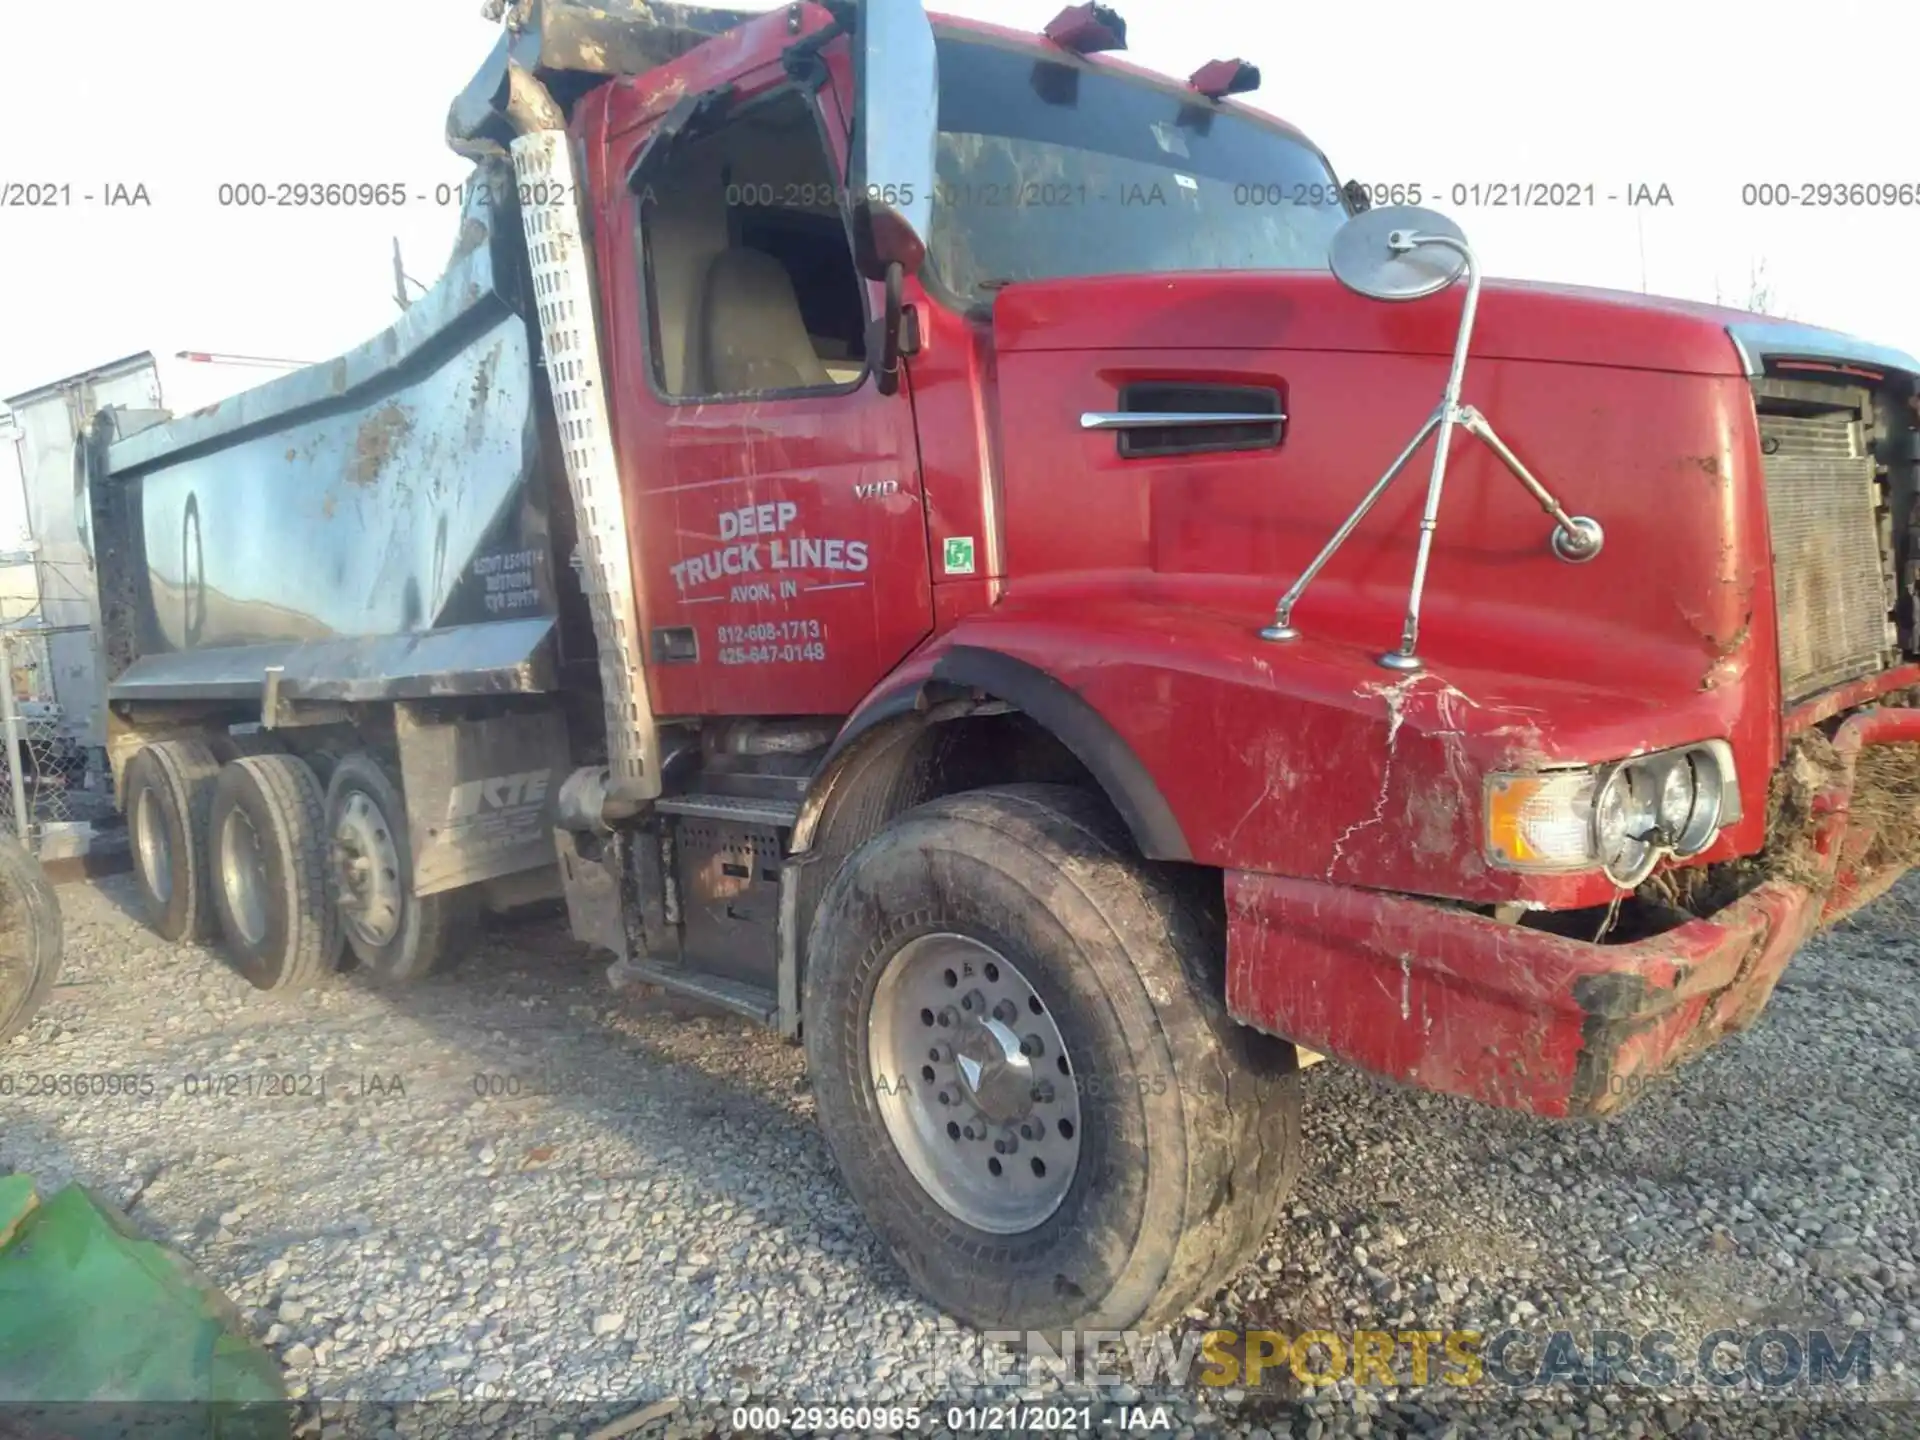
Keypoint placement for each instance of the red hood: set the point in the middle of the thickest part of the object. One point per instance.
(1310, 310)
(1634, 410)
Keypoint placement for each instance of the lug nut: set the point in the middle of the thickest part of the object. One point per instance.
(974, 1003)
(1032, 1047)
(948, 1017)
(1043, 1092)
(946, 1097)
(1006, 1012)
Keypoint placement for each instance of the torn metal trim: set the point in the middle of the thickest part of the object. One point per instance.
(1761, 342)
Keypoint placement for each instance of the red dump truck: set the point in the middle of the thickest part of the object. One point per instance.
(895, 519)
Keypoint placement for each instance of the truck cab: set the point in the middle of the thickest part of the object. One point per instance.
(898, 517)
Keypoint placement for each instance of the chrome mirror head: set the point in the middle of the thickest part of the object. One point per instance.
(1398, 253)
(896, 120)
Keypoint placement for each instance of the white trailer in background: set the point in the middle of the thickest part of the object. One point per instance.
(46, 423)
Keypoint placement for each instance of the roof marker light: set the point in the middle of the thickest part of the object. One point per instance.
(1085, 29)
(1219, 78)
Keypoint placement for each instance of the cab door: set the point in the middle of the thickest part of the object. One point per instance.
(781, 542)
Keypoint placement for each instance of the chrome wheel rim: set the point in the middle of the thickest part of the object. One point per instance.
(974, 1083)
(150, 841)
(366, 869)
(243, 876)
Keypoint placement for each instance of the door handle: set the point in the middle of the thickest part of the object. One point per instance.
(1163, 419)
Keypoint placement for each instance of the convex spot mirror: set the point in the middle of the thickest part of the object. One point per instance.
(1376, 253)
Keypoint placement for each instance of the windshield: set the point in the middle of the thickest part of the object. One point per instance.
(1049, 168)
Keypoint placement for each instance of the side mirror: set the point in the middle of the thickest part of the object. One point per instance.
(896, 117)
(895, 332)
(1399, 253)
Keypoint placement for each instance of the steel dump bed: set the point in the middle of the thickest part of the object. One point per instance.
(378, 526)
(394, 523)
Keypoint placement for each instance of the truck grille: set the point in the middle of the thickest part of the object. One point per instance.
(1831, 584)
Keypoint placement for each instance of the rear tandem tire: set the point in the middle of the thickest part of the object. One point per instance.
(1004, 946)
(268, 848)
(169, 791)
(397, 937)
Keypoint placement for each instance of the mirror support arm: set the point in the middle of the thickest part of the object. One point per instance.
(1400, 242)
(1282, 627)
(1576, 538)
(886, 363)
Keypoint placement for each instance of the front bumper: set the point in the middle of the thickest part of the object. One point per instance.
(1449, 1000)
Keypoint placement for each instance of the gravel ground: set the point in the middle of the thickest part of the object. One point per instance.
(557, 1205)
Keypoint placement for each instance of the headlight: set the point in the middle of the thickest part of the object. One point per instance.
(1716, 802)
(1626, 826)
(1676, 798)
(1620, 818)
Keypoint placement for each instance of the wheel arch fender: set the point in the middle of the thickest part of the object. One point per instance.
(972, 678)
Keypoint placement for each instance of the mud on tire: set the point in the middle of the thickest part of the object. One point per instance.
(1188, 1124)
(267, 844)
(169, 791)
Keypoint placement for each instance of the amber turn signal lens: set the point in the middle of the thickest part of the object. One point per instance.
(1541, 821)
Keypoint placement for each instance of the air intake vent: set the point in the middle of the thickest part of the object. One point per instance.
(1164, 418)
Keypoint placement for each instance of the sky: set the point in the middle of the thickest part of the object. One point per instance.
(1702, 97)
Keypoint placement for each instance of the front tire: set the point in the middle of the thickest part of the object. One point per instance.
(396, 936)
(268, 848)
(1082, 986)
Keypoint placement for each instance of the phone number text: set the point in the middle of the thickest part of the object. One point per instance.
(810, 653)
(770, 630)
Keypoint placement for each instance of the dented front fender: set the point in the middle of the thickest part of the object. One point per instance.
(1306, 759)
(1439, 996)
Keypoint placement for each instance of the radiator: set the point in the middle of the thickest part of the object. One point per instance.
(1831, 585)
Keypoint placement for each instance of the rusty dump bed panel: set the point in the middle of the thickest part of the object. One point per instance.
(378, 525)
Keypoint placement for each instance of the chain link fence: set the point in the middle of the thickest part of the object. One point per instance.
(43, 788)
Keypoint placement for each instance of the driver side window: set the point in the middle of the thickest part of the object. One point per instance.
(748, 272)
